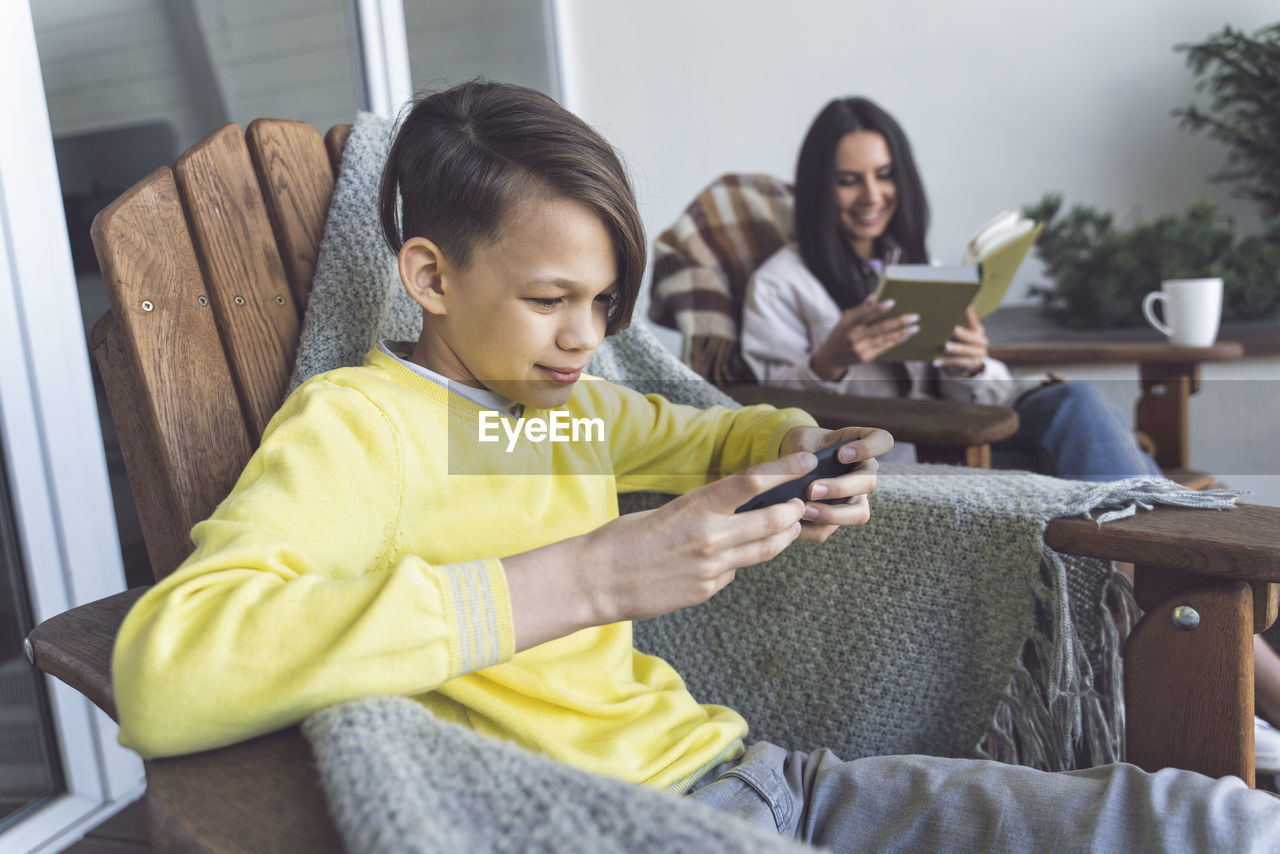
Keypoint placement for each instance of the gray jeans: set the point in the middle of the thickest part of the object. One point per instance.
(923, 803)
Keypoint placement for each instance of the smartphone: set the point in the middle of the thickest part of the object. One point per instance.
(828, 466)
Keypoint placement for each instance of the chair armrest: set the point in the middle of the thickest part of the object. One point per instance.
(921, 421)
(75, 646)
(264, 794)
(1241, 543)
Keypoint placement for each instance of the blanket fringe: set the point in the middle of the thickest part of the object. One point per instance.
(1057, 714)
(1074, 718)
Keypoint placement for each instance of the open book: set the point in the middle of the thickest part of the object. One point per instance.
(941, 294)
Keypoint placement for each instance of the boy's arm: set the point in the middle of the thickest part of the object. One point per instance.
(294, 599)
(658, 445)
(291, 603)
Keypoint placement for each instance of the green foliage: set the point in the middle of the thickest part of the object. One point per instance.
(1101, 273)
(1242, 74)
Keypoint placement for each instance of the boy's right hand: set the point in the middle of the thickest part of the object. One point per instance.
(682, 553)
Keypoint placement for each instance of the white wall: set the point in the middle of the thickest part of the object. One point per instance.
(451, 41)
(1003, 101)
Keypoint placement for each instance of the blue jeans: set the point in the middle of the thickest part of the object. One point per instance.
(927, 804)
(1071, 430)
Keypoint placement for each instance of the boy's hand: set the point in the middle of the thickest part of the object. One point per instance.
(646, 564)
(848, 490)
(650, 563)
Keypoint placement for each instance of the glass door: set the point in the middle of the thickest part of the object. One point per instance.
(30, 773)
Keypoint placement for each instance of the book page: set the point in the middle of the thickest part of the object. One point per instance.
(998, 267)
(992, 229)
(932, 273)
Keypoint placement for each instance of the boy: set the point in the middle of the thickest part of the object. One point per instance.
(379, 542)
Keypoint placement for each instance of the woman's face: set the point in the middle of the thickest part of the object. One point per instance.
(866, 194)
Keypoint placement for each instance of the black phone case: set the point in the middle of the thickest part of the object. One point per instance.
(828, 466)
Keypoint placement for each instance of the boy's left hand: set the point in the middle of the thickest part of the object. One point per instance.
(861, 444)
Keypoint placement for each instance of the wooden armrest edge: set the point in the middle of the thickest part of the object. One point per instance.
(1238, 543)
(926, 422)
(75, 646)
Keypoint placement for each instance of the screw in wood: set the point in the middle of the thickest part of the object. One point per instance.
(1184, 617)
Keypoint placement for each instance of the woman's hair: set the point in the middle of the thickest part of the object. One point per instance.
(824, 245)
(464, 158)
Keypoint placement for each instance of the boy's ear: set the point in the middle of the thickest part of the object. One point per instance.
(421, 265)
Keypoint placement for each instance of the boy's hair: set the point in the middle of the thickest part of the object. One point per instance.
(463, 158)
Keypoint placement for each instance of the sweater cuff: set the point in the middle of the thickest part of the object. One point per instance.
(792, 418)
(483, 630)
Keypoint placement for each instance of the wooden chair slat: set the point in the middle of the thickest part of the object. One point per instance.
(181, 428)
(297, 183)
(166, 516)
(335, 142)
(247, 285)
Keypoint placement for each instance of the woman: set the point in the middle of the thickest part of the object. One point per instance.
(809, 317)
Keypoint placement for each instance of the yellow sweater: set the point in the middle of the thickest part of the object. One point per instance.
(359, 554)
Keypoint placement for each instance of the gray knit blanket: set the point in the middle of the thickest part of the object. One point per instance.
(944, 626)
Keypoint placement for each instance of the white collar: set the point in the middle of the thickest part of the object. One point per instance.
(482, 397)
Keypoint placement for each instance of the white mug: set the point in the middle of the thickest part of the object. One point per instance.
(1192, 309)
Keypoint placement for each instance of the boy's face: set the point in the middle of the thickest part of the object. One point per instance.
(527, 313)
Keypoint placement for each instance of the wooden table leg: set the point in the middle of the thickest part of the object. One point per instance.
(1161, 412)
(1189, 675)
(973, 456)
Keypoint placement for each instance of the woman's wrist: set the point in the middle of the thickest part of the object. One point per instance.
(961, 372)
(824, 370)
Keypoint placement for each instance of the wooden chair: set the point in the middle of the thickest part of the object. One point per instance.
(208, 266)
(729, 230)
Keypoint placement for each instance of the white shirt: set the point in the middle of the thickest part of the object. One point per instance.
(787, 314)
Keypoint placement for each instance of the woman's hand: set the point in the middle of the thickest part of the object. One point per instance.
(964, 354)
(859, 337)
(848, 490)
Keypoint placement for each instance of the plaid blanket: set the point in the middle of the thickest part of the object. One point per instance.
(702, 263)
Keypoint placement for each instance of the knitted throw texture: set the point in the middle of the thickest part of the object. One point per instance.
(945, 626)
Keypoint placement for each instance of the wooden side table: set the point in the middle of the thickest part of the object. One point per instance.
(1169, 376)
